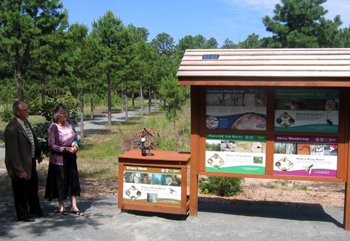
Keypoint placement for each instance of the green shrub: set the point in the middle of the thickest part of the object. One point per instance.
(220, 186)
(7, 114)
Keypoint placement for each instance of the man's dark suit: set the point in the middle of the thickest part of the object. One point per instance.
(18, 160)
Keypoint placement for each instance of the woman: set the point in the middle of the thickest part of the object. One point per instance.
(62, 177)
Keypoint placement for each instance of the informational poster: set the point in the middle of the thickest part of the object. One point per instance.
(152, 185)
(235, 153)
(236, 109)
(307, 110)
(306, 156)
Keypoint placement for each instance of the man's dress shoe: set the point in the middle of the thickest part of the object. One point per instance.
(39, 214)
(27, 219)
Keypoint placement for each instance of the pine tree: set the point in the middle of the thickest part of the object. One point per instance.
(23, 24)
(301, 24)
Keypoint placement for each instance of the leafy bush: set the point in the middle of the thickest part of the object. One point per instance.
(41, 131)
(220, 186)
(7, 114)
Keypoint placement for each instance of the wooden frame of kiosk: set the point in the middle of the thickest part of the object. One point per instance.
(153, 183)
(269, 113)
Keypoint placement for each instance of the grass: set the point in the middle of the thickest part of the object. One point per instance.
(98, 154)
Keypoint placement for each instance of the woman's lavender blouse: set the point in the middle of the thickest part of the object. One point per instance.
(58, 139)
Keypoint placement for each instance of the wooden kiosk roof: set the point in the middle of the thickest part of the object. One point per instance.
(321, 67)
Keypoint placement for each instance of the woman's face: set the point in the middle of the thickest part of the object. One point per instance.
(62, 116)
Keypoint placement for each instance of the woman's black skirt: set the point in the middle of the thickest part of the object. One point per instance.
(63, 181)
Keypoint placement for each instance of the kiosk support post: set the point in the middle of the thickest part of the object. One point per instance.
(194, 153)
(346, 220)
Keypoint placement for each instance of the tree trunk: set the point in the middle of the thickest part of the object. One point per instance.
(141, 97)
(82, 113)
(92, 101)
(126, 104)
(19, 82)
(75, 94)
(122, 94)
(133, 97)
(149, 99)
(43, 95)
(109, 99)
(155, 99)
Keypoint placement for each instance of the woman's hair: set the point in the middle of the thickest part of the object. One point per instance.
(57, 109)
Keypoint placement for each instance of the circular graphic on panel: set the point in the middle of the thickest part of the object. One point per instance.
(212, 122)
(249, 121)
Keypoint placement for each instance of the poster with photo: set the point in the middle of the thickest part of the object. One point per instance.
(236, 109)
(307, 110)
(306, 156)
(149, 185)
(235, 153)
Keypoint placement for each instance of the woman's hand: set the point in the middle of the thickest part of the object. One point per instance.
(72, 149)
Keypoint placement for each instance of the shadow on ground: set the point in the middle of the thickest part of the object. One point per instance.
(267, 209)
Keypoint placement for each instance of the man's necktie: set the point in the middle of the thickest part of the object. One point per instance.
(30, 136)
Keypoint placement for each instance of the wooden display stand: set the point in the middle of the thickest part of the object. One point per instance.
(141, 190)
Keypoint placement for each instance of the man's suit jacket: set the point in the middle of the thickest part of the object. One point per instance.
(18, 158)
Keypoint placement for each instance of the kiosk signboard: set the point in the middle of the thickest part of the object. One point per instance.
(307, 110)
(235, 153)
(236, 109)
(306, 156)
(152, 185)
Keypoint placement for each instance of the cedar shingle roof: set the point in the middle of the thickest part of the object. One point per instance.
(265, 63)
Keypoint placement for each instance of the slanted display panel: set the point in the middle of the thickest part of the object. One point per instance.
(235, 153)
(306, 156)
(236, 109)
(152, 185)
(307, 110)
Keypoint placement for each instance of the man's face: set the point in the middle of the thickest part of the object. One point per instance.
(23, 112)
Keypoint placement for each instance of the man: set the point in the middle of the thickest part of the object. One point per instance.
(22, 149)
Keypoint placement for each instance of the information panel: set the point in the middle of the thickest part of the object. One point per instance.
(235, 153)
(152, 185)
(237, 109)
(307, 110)
(306, 156)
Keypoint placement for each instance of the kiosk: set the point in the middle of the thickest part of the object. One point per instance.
(153, 183)
(269, 113)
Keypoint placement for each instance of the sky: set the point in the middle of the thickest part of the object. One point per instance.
(221, 19)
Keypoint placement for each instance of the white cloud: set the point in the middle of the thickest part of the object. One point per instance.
(263, 6)
(266, 7)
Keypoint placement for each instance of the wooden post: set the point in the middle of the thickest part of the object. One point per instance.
(194, 152)
(347, 165)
